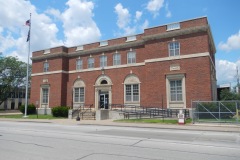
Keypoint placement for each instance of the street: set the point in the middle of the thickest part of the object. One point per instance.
(41, 141)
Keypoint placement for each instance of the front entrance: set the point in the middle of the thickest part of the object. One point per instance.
(104, 100)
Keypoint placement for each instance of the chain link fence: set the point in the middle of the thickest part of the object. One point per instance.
(216, 111)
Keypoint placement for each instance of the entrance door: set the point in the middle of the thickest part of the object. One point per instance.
(103, 101)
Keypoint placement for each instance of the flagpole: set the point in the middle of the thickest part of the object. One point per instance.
(26, 92)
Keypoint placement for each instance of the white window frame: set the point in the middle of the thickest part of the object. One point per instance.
(131, 38)
(176, 90)
(79, 48)
(79, 94)
(174, 48)
(132, 95)
(103, 61)
(131, 57)
(103, 43)
(45, 67)
(79, 64)
(173, 26)
(90, 62)
(44, 96)
(116, 59)
(176, 104)
(47, 51)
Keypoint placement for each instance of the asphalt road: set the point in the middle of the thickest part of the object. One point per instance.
(49, 141)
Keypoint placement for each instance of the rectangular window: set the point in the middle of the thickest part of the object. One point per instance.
(90, 62)
(173, 26)
(176, 90)
(79, 94)
(103, 61)
(45, 67)
(79, 48)
(131, 57)
(45, 95)
(103, 43)
(79, 64)
(132, 92)
(174, 48)
(131, 38)
(116, 59)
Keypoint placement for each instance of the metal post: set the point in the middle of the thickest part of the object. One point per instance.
(37, 108)
(162, 110)
(219, 110)
(26, 97)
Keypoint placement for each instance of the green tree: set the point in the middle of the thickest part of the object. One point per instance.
(12, 75)
(228, 95)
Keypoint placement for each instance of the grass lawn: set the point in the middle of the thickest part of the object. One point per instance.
(165, 121)
(32, 116)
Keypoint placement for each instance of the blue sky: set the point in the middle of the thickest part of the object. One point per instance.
(74, 22)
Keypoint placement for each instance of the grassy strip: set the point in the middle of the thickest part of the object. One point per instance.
(32, 116)
(161, 121)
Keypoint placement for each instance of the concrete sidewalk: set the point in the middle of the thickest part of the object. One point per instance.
(196, 127)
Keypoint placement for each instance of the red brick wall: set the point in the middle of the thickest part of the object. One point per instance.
(151, 75)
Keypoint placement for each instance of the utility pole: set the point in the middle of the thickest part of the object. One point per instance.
(237, 80)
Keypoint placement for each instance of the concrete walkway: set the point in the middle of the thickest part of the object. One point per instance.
(197, 127)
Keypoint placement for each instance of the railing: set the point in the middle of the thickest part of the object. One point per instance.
(129, 111)
(82, 109)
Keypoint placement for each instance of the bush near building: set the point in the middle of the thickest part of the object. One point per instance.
(31, 109)
(60, 111)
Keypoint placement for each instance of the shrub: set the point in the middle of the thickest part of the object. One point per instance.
(31, 109)
(60, 111)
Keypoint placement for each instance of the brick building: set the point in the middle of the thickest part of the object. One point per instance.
(173, 64)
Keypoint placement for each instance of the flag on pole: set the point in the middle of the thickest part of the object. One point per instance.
(27, 23)
(28, 37)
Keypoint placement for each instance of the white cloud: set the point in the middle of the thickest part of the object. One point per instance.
(154, 6)
(127, 24)
(138, 16)
(233, 43)
(54, 12)
(226, 71)
(123, 16)
(13, 35)
(168, 14)
(79, 26)
(144, 25)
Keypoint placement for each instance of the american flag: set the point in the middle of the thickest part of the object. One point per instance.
(27, 23)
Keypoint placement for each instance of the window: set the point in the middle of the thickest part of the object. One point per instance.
(131, 57)
(132, 92)
(173, 26)
(78, 64)
(104, 82)
(79, 48)
(79, 94)
(116, 59)
(45, 67)
(131, 38)
(176, 90)
(45, 95)
(103, 61)
(90, 62)
(174, 48)
(103, 43)
(47, 51)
